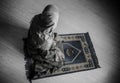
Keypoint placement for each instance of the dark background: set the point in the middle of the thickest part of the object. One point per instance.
(101, 18)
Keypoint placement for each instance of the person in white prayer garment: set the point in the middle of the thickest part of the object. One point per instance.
(42, 40)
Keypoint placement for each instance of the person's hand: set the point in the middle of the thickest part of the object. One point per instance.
(59, 55)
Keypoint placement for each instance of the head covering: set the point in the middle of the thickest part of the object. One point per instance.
(50, 16)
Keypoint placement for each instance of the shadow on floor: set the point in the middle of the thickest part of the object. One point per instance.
(12, 34)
